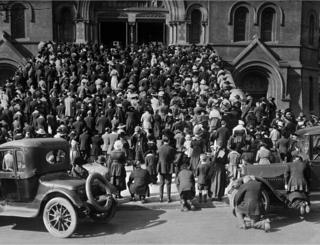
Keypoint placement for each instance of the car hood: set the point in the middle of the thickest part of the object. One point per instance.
(62, 180)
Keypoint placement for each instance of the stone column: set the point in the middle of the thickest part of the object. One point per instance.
(181, 32)
(81, 31)
(203, 38)
(171, 31)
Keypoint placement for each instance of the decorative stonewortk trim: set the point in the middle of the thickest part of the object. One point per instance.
(26, 4)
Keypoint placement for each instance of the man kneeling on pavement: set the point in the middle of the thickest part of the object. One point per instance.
(138, 183)
(186, 187)
(249, 207)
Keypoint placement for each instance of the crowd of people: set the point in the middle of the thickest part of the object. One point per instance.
(174, 109)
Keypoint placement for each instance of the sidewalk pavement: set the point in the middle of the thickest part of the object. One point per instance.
(153, 202)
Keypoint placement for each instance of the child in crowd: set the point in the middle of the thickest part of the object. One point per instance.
(234, 161)
(202, 173)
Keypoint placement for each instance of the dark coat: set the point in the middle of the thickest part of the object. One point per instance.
(297, 176)
(203, 171)
(248, 198)
(185, 181)
(138, 181)
(166, 159)
(85, 142)
(96, 145)
(221, 136)
(151, 164)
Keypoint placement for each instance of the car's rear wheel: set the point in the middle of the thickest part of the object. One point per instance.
(60, 217)
(265, 200)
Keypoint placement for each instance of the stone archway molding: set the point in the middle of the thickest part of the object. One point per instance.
(277, 84)
(10, 63)
(27, 6)
(204, 12)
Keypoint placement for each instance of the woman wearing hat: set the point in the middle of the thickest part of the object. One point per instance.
(263, 154)
(118, 171)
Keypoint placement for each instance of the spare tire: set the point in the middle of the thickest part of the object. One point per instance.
(105, 185)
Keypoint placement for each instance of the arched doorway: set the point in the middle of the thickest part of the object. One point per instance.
(254, 81)
(195, 26)
(67, 26)
(7, 71)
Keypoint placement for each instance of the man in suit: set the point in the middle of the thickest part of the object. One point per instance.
(139, 180)
(222, 135)
(186, 186)
(249, 204)
(85, 141)
(165, 166)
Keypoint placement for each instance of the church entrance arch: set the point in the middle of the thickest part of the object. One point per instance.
(254, 81)
(7, 71)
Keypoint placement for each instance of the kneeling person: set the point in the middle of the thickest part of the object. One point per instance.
(139, 181)
(186, 186)
(249, 205)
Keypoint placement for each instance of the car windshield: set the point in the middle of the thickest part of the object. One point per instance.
(56, 157)
(315, 151)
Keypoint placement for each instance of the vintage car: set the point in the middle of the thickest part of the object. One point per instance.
(272, 176)
(35, 180)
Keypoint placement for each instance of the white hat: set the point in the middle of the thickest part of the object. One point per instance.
(240, 122)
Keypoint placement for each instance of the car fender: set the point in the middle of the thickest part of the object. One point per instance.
(269, 188)
(51, 193)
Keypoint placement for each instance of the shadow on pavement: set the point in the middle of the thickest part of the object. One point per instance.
(18, 223)
(122, 223)
(281, 217)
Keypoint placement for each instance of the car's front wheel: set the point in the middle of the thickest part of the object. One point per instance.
(60, 217)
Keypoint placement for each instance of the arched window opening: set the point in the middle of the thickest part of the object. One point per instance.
(240, 24)
(18, 21)
(311, 29)
(67, 25)
(267, 24)
(195, 27)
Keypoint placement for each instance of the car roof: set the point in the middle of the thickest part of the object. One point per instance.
(34, 142)
(309, 131)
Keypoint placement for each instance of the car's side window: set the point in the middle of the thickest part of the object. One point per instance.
(20, 161)
(7, 161)
(56, 157)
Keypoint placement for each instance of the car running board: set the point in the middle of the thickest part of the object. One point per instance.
(16, 210)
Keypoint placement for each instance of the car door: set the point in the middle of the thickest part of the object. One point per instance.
(8, 176)
(27, 184)
(315, 162)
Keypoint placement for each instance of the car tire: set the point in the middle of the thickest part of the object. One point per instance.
(90, 195)
(106, 216)
(265, 200)
(60, 217)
